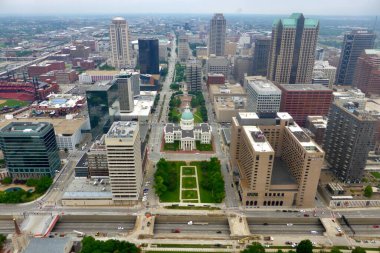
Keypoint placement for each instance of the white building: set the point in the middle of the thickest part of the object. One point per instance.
(262, 95)
(218, 65)
(119, 43)
(328, 71)
(187, 133)
(123, 147)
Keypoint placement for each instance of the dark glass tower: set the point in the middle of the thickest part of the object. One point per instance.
(148, 56)
(101, 107)
(30, 149)
(261, 56)
(353, 46)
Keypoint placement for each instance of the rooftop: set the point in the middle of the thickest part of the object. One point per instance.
(61, 126)
(25, 127)
(263, 86)
(257, 139)
(304, 87)
(323, 65)
(307, 143)
(84, 188)
(51, 245)
(372, 52)
(123, 129)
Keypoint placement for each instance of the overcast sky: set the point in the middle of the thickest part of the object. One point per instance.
(318, 7)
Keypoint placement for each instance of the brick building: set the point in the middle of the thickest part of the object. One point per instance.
(367, 73)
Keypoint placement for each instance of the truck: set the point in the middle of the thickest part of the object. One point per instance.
(268, 238)
(80, 234)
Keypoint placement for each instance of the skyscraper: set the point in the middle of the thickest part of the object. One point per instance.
(217, 35)
(183, 48)
(149, 56)
(353, 45)
(124, 84)
(30, 149)
(292, 52)
(101, 109)
(367, 73)
(123, 147)
(348, 139)
(119, 43)
(194, 76)
(242, 67)
(261, 56)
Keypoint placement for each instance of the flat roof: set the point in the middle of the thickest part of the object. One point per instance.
(84, 188)
(281, 174)
(102, 72)
(226, 89)
(142, 107)
(257, 139)
(25, 127)
(122, 129)
(62, 126)
(51, 245)
(305, 87)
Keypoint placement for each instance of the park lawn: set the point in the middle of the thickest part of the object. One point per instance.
(189, 194)
(203, 147)
(205, 195)
(376, 174)
(188, 171)
(189, 182)
(198, 116)
(173, 196)
(13, 103)
(172, 146)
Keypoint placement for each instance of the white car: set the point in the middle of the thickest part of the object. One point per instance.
(120, 228)
(289, 224)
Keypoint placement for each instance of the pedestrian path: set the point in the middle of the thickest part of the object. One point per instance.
(189, 192)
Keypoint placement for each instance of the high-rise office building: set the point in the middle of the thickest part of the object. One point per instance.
(30, 149)
(261, 56)
(354, 44)
(123, 147)
(217, 35)
(278, 164)
(294, 40)
(367, 74)
(119, 43)
(101, 108)
(348, 139)
(323, 69)
(124, 84)
(218, 65)
(183, 48)
(97, 159)
(149, 56)
(194, 76)
(302, 100)
(242, 67)
(262, 95)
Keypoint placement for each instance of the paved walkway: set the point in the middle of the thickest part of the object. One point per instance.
(181, 188)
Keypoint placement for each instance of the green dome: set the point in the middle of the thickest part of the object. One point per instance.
(187, 115)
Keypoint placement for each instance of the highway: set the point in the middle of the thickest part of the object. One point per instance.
(211, 225)
(284, 225)
(6, 226)
(96, 223)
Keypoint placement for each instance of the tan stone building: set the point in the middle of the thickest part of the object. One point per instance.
(279, 165)
(294, 41)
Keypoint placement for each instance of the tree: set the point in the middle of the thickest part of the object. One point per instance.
(279, 251)
(305, 246)
(254, 248)
(3, 238)
(368, 191)
(335, 250)
(358, 250)
(7, 180)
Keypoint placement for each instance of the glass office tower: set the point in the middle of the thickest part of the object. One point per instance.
(30, 149)
(149, 56)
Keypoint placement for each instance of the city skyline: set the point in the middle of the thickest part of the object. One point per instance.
(323, 7)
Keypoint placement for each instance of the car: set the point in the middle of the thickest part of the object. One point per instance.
(289, 224)
(314, 232)
(302, 211)
(265, 224)
(306, 215)
(120, 228)
(176, 230)
(146, 190)
(375, 226)
(338, 229)
(218, 232)
(288, 243)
